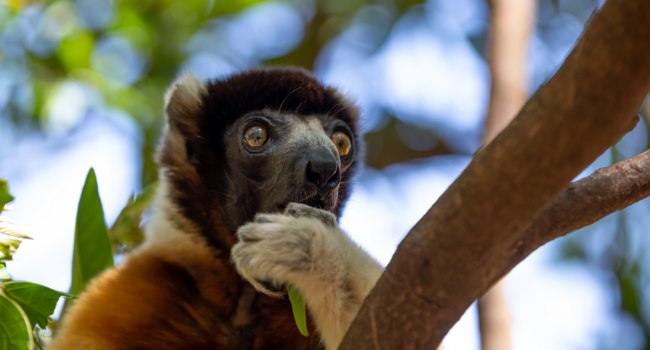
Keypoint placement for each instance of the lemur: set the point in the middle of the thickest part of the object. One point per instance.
(254, 170)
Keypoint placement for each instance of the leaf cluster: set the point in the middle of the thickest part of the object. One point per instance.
(25, 307)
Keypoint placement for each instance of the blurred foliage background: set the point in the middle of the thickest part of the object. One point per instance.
(416, 68)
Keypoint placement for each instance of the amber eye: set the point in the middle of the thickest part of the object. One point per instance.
(343, 143)
(256, 136)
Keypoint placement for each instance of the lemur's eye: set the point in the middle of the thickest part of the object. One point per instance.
(256, 136)
(342, 142)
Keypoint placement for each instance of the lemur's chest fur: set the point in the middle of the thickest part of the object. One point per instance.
(205, 291)
(263, 322)
(257, 321)
(237, 317)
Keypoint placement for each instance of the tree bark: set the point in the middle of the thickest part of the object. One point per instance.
(586, 201)
(464, 243)
(510, 28)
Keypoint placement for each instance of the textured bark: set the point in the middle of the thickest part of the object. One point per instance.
(586, 201)
(510, 28)
(464, 243)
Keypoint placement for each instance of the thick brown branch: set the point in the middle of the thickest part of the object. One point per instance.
(580, 204)
(464, 242)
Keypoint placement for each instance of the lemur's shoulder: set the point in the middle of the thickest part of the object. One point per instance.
(160, 296)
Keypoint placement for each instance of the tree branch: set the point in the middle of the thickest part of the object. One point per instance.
(464, 242)
(586, 201)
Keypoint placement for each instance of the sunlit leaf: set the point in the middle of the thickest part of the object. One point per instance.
(6, 227)
(16, 4)
(5, 197)
(15, 329)
(41, 89)
(126, 230)
(8, 247)
(37, 301)
(299, 310)
(11, 232)
(92, 247)
(132, 26)
(231, 7)
(75, 50)
(4, 275)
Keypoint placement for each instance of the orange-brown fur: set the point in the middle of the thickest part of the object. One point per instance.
(189, 291)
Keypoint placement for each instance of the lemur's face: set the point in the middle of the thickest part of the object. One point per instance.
(255, 142)
(275, 158)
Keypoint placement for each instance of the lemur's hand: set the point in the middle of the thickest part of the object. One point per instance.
(304, 248)
(276, 249)
(300, 210)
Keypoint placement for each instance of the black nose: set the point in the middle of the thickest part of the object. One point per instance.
(323, 171)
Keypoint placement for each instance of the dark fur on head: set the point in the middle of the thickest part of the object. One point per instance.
(196, 153)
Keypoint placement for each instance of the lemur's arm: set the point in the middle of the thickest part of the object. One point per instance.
(306, 249)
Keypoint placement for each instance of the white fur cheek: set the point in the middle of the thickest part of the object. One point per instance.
(160, 230)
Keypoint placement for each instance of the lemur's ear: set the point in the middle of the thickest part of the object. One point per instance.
(183, 108)
(183, 103)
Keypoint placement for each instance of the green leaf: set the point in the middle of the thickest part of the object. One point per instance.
(7, 228)
(92, 247)
(38, 302)
(126, 232)
(299, 311)
(15, 329)
(4, 275)
(8, 247)
(75, 50)
(5, 197)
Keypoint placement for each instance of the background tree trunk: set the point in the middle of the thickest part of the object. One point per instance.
(465, 243)
(511, 23)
